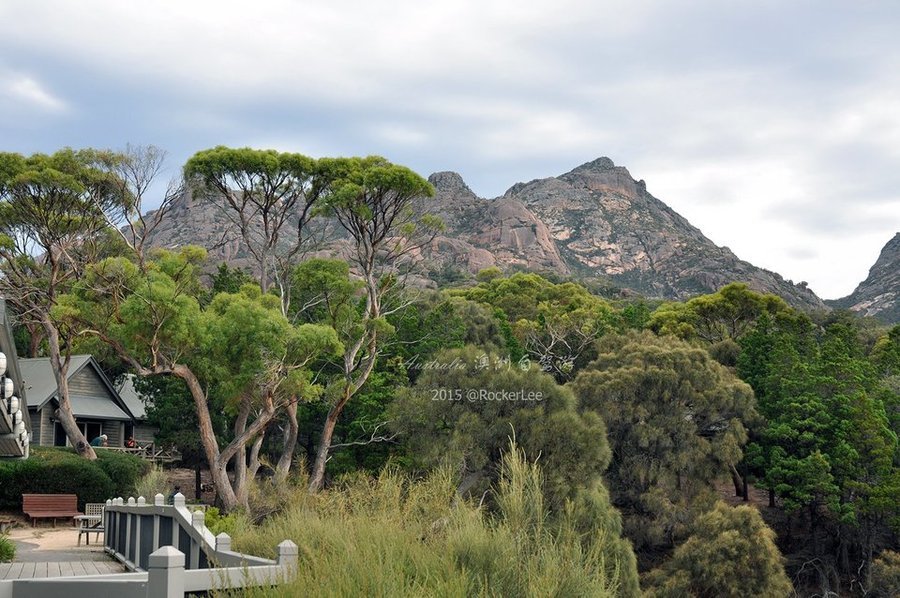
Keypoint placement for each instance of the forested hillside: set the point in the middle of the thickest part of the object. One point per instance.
(516, 435)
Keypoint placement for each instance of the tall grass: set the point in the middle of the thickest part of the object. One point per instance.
(393, 536)
(154, 482)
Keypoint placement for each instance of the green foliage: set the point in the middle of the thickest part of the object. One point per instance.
(886, 575)
(154, 482)
(218, 523)
(731, 554)
(226, 280)
(457, 413)
(7, 549)
(60, 471)
(395, 537)
(170, 408)
(555, 324)
(727, 313)
(676, 421)
(123, 469)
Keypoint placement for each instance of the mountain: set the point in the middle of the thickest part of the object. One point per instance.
(879, 294)
(593, 222)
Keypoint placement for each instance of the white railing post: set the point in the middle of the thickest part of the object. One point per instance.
(223, 542)
(165, 574)
(287, 557)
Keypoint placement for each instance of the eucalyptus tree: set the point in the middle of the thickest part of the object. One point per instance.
(676, 421)
(51, 226)
(379, 205)
(239, 347)
(136, 171)
(269, 197)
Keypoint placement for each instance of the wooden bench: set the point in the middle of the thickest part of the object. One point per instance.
(5, 524)
(50, 506)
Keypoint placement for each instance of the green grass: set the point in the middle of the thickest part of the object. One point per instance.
(393, 536)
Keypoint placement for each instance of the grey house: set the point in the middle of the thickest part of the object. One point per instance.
(143, 432)
(96, 403)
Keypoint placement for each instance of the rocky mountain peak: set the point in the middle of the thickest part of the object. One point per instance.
(600, 164)
(449, 182)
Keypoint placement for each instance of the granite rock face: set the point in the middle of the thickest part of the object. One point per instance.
(879, 294)
(595, 221)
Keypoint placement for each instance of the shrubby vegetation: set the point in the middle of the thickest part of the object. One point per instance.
(7, 549)
(394, 536)
(57, 470)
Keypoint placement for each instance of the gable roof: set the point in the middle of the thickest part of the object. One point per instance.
(38, 378)
(131, 398)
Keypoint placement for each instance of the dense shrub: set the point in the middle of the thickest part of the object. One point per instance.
(7, 549)
(886, 574)
(52, 470)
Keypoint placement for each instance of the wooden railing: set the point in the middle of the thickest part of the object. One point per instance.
(149, 452)
(169, 551)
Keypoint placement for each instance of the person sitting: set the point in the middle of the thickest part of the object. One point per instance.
(100, 441)
(130, 443)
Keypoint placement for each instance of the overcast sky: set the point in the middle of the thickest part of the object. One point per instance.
(774, 127)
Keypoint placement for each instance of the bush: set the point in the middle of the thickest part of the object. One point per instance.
(886, 574)
(51, 470)
(154, 482)
(393, 536)
(7, 549)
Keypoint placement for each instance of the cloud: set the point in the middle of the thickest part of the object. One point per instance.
(770, 126)
(23, 93)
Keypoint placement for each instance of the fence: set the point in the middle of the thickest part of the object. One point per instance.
(170, 552)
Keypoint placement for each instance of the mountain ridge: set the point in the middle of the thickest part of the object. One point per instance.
(595, 221)
(879, 294)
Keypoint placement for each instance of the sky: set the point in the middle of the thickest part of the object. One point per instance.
(774, 127)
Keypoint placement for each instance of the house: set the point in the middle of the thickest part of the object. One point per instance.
(144, 433)
(15, 423)
(96, 404)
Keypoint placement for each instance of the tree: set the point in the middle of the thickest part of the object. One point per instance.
(556, 324)
(676, 421)
(269, 197)
(375, 202)
(731, 553)
(239, 347)
(51, 227)
(464, 411)
(726, 314)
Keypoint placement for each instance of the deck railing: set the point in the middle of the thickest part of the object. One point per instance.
(170, 552)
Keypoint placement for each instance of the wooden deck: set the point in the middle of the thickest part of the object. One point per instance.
(58, 569)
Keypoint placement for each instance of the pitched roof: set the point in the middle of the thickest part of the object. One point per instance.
(39, 380)
(131, 398)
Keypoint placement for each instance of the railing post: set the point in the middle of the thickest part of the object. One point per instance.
(165, 574)
(223, 542)
(287, 558)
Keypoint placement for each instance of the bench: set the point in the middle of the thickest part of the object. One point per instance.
(50, 506)
(5, 524)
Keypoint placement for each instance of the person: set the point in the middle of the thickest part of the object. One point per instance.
(130, 443)
(174, 492)
(100, 441)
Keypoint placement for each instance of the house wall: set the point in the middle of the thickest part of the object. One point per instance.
(144, 434)
(87, 383)
(42, 427)
(114, 431)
